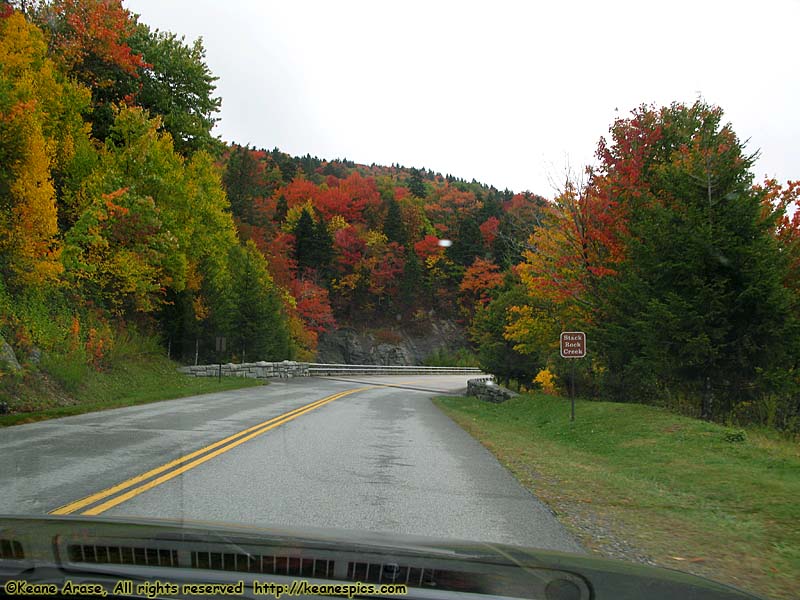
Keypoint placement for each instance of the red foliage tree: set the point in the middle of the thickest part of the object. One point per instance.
(489, 230)
(479, 280)
(313, 305)
(427, 247)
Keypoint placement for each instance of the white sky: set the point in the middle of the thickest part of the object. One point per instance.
(507, 93)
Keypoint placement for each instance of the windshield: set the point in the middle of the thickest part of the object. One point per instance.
(506, 274)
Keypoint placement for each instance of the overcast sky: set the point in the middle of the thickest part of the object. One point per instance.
(508, 93)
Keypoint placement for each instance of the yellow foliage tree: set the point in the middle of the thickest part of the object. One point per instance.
(29, 248)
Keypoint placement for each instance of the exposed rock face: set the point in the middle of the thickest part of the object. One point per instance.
(8, 359)
(404, 347)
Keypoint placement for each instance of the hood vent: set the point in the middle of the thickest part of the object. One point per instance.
(265, 564)
(415, 577)
(11, 550)
(122, 555)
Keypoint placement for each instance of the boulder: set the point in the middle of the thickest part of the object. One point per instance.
(8, 360)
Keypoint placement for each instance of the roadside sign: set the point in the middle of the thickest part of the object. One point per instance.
(221, 344)
(573, 344)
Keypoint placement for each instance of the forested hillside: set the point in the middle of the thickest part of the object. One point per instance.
(120, 211)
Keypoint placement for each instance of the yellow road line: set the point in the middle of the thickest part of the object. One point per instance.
(227, 443)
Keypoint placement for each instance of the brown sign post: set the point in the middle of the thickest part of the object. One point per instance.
(573, 345)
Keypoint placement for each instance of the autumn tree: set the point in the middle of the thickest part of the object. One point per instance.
(121, 255)
(38, 131)
(480, 279)
(89, 38)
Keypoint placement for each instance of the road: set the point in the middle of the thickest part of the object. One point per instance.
(375, 454)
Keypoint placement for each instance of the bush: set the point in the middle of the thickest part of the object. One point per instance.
(463, 357)
(735, 436)
(546, 382)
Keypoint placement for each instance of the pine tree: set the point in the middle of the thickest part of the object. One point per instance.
(413, 286)
(281, 209)
(305, 244)
(416, 185)
(259, 329)
(323, 246)
(467, 244)
(393, 226)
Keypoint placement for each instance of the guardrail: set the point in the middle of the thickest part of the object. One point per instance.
(286, 368)
(340, 369)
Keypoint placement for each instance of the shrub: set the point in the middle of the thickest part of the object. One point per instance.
(462, 357)
(735, 436)
(546, 381)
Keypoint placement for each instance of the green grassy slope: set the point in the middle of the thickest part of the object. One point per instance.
(688, 494)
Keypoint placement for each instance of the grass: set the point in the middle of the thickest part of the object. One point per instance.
(684, 492)
(64, 388)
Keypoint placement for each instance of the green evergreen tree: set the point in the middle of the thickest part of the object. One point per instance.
(259, 329)
(323, 247)
(414, 288)
(241, 184)
(698, 310)
(393, 226)
(496, 354)
(281, 209)
(416, 185)
(305, 243)
(467, 244)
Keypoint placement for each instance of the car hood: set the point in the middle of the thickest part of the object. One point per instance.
(102, 549)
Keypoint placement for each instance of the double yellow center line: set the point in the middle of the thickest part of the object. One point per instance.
(130, 488)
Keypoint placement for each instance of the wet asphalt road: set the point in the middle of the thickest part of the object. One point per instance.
(383, 459)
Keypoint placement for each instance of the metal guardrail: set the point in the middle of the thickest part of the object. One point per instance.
(340, 369)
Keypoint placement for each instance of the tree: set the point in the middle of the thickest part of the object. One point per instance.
(413, 287)
(480, 279)
(120, 254)
(497, 354)
(416, 185)
(313, 305)
(323, 246)
(90, 39)
(281, 208)
(244, 182)
(304, 232)
(393, 226)
(38, 114)
(259, 329)
(468, 243)
(700, 295)
(176, 83)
